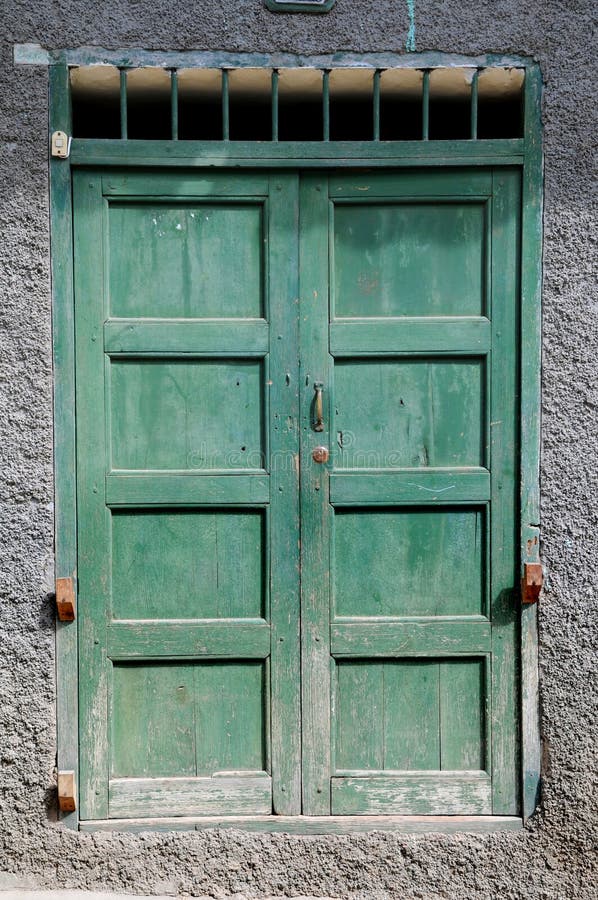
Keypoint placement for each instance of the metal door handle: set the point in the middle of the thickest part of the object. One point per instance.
(318, 407)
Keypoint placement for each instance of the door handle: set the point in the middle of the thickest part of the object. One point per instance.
(318, 407)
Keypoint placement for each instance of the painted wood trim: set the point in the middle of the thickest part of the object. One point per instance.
(391, 188)
(65, 500)
(134, 640)
(234, 189)
(530, 388)
(317, 824)
(284, 523)
(187, 489)
(416, 486)
(34, 54)
(219, 795)
(504, 451)
(295, 154)
(316, 366)
(454, 335)
(176, 336)
(422, 638)
(93, 518)
(416, 793)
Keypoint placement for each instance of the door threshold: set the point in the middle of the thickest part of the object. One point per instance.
(315, 824)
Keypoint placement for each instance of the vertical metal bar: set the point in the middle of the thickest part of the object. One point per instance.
(474, 105)
(174, 104)
(377, 75)
(326, 104)
(426, 106)
(274, 104)
(123, 105)
(225, 107)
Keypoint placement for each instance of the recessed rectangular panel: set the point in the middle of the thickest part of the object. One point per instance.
(407, 561)
(177, 259)
(410, 715)
(174, 720)
(409, 259)
(176, 564)
(394, 413)
(179, 414)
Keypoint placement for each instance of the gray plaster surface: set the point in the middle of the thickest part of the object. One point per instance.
(555, 856)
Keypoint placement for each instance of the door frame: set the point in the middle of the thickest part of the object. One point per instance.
(524, 153)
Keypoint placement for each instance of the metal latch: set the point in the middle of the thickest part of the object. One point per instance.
(67, 792)
(531, 583)
(61, 144)
(65, 599)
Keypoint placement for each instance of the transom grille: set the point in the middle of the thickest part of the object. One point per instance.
(297, 104)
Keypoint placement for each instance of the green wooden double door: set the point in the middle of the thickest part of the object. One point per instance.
(262, 631)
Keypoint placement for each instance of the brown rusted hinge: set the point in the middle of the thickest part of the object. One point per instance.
(67, 792)
(531, 583)
(65, 599)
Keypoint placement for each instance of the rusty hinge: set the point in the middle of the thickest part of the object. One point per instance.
(531, 583)
(67, 792)
(65, 599)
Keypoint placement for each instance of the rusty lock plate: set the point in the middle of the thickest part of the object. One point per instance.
(320, 454)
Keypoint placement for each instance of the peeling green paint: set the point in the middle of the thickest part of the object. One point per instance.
(410, 42)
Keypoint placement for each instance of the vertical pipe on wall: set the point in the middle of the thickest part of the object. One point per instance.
(274, 104)
(174, 104)
(225, 106)
(123, 105)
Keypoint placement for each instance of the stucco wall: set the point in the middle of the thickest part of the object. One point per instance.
(552, 858)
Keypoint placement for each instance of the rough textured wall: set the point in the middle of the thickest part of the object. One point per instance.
(552, 858)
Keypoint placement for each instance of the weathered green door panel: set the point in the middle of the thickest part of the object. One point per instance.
(188, 587)
(413, 561)
(186, 260)
(408, 530)
(409, 259)
(220, 676)
(406, 413)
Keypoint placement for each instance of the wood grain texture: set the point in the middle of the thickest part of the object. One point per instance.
(284, 524)
(177, 564)
(409, 412)
(318, 824)
(448, 334)
(65, 502)
(416, 486)
(530, 387)
(414, 794)
(315, 508)
(174, 336)
(187, 638)
(408, 259)
(412, 561)
(416, 637)
(186, 490)
(227, 795)
(171, 258)
(504, 273)
(93, 516)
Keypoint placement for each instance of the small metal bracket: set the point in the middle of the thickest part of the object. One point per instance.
(61, 145)
(531, 583)
(65, 599)
(301, 6)
(67, 792)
